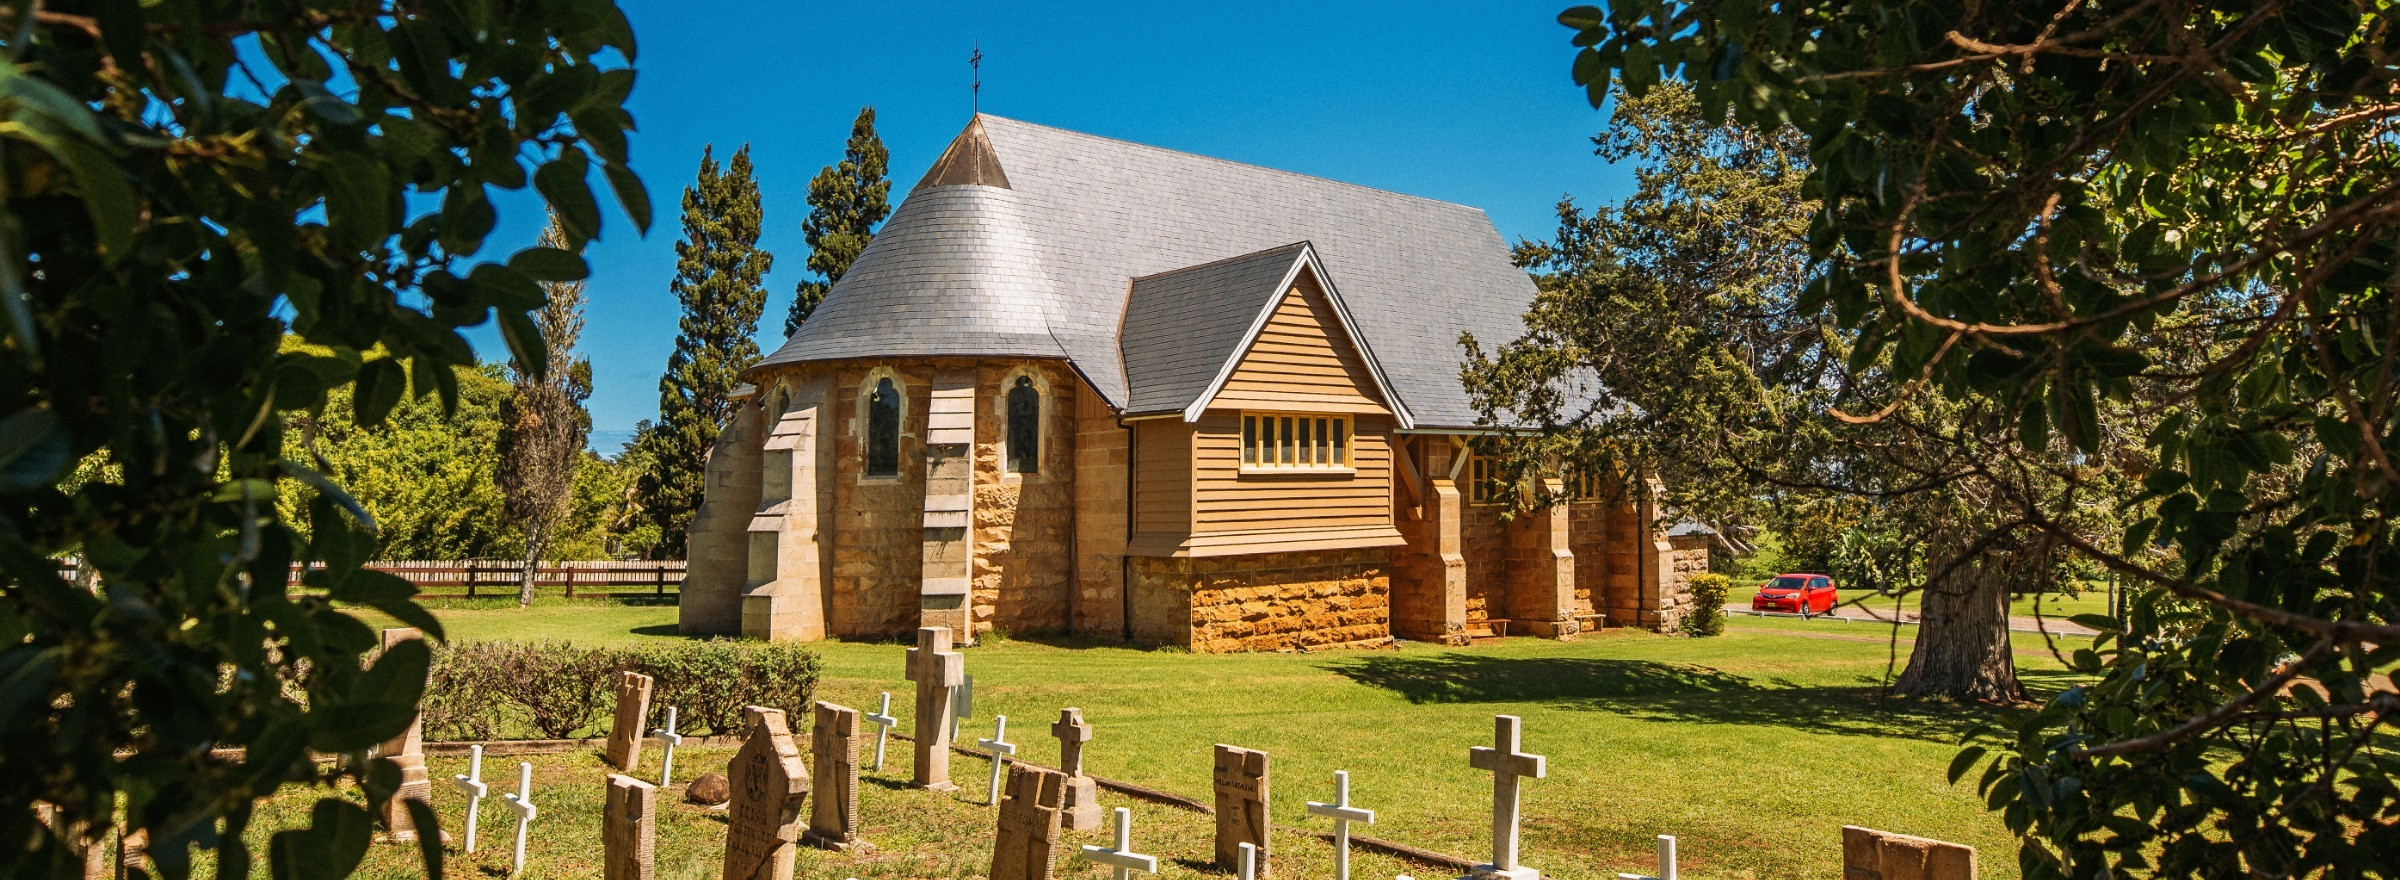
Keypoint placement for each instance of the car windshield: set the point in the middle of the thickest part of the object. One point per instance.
(1787, 582)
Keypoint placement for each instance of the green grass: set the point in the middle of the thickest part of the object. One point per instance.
(1753, 748)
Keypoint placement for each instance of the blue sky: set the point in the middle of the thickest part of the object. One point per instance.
(1464, 102)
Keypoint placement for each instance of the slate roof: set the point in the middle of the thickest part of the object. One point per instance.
(1043, 267)
(1182, 326)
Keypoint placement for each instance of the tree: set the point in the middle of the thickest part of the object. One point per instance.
(544, 425)
(719, 271)
(2157, 242)
(187, 184)
(424, 476)
(846, 201)
(1668, 340)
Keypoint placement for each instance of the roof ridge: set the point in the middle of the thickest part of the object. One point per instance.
(1303, 243)
(1236, 163)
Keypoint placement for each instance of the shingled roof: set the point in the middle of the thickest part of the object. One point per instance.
(1038, 260)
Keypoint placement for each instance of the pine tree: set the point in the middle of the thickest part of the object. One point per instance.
(718, 277)
(845, 202)
(544, 424)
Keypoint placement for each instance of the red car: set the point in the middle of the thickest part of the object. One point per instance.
(1796, 593)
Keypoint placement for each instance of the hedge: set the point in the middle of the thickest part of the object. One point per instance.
(1708, 605)
(518, 690)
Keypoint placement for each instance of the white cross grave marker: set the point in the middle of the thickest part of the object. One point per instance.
(471, 782)
(1000, 748)
(1666, 861)
(1342, 814)
(1121, 856)
(962, 704)
(884, 722)
(666, 773)
(521, 801)
(1507, 764)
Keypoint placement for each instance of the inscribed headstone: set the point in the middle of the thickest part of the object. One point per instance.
(769, 783)
(1029, 811)
(833, 747)
(628, 830)
(1868, 854)
(937, 670)
(1241, 783)
(633, 708)
(408, 751)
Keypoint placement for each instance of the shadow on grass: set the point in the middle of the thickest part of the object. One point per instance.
(656, 629)
(1654, 691)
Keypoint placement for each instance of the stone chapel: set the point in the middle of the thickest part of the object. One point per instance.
(1078, 385)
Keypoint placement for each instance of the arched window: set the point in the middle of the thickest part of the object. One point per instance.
(1024, 427)
(883, 430)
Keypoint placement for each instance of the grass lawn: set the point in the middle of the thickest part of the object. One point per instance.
(1753, 748)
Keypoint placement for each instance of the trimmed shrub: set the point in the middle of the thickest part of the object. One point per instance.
(502, 690)
(1708, 605)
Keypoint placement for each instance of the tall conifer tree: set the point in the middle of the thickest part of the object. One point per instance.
(544, 424)
(845, 202)
(719, 270)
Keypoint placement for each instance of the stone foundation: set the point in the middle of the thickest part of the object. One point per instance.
(1264, 602)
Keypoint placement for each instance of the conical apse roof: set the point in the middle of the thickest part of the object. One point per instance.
(1023, 241)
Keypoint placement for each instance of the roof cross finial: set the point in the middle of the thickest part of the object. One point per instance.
(975, 92)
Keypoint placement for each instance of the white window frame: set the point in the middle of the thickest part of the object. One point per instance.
(1284, 454)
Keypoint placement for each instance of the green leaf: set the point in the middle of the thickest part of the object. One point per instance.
(1965, 761)
(330, 490)
(525, 344)
(550, 264)
(1583, 18)
(358, 200)
(34, 449)
(562, 182)
(381, 383)
(115, 212)
(630, 194)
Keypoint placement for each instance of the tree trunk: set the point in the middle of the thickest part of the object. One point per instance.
(534, 539)
(1962, 649)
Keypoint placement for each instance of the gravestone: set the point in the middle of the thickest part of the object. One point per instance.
(1000, 749)
(1121, 855)
(1342, 814)
(937, 670)
(884, 722)
(628, 830)
(667, 734)
(521, 803)
(833, 746)
(633, 708)
(407, 749)
(1241, 777)
(472, 783)
(1082, 803)
(1868, 854)
(1666, 862)
(1507, 763)
(769, 783)
(1028, 845)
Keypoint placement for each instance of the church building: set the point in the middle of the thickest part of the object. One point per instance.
(1078, 385)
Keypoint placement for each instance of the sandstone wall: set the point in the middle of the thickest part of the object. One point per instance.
(1024, 523)
(1101, 447)
(1023, 572)
(1686, 557)
(717, 549)
(1265, 602)
(1588, 526)
(1483, 540)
